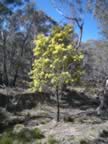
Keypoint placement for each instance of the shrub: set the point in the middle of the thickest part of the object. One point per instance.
(38, 134)
(52, 140)
(6, 139)
(83, 142)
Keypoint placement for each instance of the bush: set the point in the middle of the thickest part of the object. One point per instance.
(6, 139)
(21, 136)
(52, 140)
(38, 134)
(24, 135)
(69, 119)
(83, 142)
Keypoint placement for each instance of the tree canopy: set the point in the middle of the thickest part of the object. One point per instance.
(17, 32)
(53, 56)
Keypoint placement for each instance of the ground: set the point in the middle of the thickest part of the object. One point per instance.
(79, 123)
(76, 126)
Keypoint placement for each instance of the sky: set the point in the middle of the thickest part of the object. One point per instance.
(90, 31)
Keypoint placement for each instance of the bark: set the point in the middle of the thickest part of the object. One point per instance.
(103, 97)
(5, 74)
(15, 77)
(79, 22)
(58, 105)
(21, 55)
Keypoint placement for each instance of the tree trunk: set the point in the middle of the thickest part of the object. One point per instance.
(22, 53)
(58, 105)
(103, 106)
(5, 75)
(15, 77)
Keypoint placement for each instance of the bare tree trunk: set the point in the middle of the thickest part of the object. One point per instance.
(5, 75)
(21, 55)
(103, 106)
(15, 77)
(58, 105)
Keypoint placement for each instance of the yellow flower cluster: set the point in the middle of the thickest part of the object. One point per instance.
(53, 54)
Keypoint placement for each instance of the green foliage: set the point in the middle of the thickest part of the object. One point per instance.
(37, 133)
(27, 135)
(52, 140)
(23, 136)
(83, 142)
(5, 139)
(53, 56)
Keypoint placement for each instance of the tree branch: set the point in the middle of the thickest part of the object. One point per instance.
(78, 22)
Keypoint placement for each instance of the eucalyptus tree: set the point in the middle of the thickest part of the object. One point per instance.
(8, 6)
(95, 61)
(20, 28)
(33, 22)
(99, 8)
(73, 11)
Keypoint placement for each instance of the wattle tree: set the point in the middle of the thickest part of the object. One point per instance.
(56, 62)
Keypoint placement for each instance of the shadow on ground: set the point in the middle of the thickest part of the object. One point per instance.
(76, 99)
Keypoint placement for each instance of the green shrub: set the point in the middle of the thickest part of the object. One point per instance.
(52, 140)
(5, 139)
(83, 142)
(24, 135)
(38, 134)
(69, 119)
